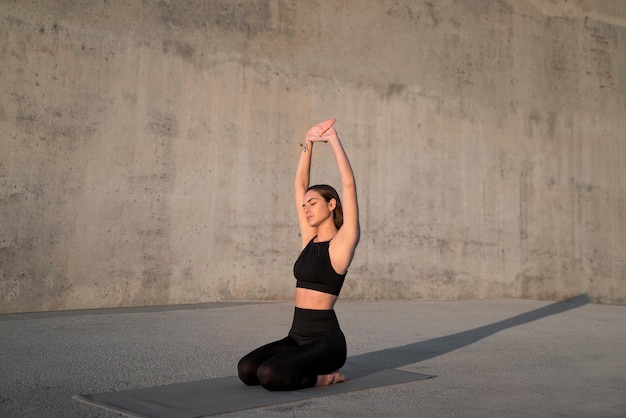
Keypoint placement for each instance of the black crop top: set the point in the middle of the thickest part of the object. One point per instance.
(314, 271)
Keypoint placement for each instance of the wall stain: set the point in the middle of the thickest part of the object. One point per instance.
(163, 124)
(181, 49)
(394, 89)
(249, 18)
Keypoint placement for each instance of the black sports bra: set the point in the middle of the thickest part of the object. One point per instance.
(314, 271)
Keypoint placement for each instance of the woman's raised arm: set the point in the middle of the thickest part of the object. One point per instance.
(349, 234)
(301, 182)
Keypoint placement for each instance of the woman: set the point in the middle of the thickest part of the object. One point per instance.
(315, 347)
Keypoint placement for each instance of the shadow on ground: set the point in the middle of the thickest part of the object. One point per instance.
(405, 355)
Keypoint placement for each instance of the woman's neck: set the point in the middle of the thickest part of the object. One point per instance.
(326, 232)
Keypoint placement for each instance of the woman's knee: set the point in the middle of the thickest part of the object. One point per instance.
(247, 372)
(268, 377)
(272, 379)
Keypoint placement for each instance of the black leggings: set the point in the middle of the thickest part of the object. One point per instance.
(315, 346)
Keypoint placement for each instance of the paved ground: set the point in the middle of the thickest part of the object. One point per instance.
(492, 358)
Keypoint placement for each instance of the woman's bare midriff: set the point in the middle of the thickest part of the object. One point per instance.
(313, 299)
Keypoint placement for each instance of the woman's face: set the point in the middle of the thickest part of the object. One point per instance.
(316, 208)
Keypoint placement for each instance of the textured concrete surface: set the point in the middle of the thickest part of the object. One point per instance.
(148, 148)
(495, 358)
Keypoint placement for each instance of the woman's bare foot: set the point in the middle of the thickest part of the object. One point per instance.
(330, 379)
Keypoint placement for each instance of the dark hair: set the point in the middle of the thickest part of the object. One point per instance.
(328, 193)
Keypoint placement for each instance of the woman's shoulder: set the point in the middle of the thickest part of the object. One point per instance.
(341, 251)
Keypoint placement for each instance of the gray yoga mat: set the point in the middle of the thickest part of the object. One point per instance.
(228, 394)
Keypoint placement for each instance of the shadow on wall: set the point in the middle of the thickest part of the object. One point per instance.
(404, 355)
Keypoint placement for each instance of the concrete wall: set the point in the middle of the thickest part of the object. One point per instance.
(148, 148)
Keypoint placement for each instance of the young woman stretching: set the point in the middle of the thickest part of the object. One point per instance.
(315, 347)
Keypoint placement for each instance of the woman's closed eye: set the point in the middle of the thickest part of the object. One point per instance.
(309, 203)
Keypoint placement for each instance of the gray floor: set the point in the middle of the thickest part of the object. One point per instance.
(492, 358)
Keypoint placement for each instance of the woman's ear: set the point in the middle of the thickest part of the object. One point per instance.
(332, 204)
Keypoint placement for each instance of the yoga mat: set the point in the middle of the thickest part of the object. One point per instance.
(228, 394)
